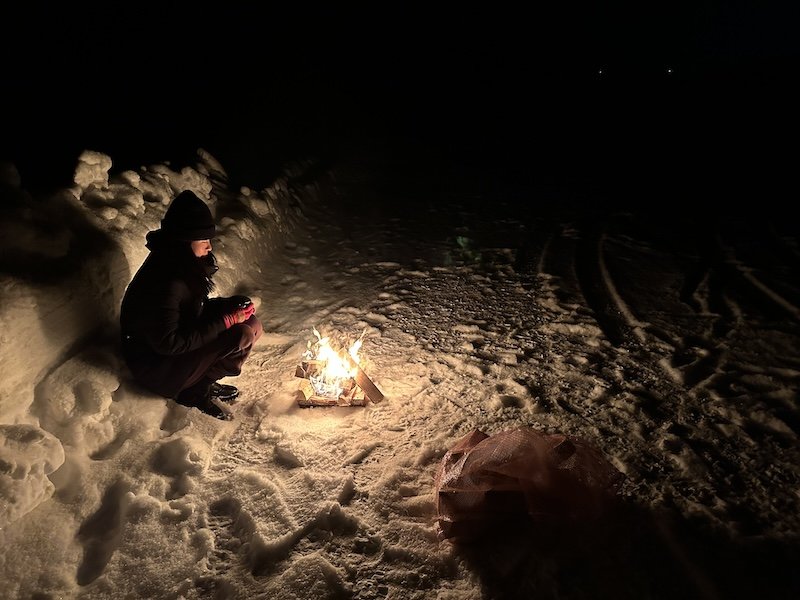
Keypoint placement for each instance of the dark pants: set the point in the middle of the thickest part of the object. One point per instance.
(187, 376)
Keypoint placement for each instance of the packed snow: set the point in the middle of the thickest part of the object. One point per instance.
(667, 339)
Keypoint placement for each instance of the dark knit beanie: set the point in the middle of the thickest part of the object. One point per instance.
(188, 218)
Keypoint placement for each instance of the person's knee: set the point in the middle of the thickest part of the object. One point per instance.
(237, 338)
(246, 336)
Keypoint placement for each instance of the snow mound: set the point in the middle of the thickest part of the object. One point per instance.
(27, 456)
(65, 261)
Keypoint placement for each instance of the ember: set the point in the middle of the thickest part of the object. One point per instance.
(334, 378)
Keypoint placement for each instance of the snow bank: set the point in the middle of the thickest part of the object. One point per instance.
(65, 262)
(27, 455)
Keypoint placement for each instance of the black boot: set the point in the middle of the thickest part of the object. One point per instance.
(199, 396)
(211, 408)
(223, 393)
(194, 395)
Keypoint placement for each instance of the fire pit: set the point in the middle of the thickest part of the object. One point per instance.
(334, 378)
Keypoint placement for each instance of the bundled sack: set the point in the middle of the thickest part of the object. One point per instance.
(484, 481)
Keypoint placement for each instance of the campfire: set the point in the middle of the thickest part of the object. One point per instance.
(332, 377)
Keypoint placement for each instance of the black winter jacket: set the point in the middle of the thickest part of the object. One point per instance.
(165, 310)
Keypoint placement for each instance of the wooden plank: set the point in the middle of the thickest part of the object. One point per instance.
(365, 383)
(306, 397)
(304, 401)
(307, 368)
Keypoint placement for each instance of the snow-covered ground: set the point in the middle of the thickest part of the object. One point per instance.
(668, 339)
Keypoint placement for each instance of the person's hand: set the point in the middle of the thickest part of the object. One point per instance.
(239, 301)
(240, 315)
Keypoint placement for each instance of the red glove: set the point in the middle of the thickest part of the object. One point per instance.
(240, 315)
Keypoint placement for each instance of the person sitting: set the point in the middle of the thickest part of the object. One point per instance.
(176, 341)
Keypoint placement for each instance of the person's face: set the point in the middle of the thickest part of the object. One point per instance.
(201, 248)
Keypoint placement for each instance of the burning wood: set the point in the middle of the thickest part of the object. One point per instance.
(331, 378)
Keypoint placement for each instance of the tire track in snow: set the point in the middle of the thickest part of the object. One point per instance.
(694, 358)
(729, 291)
(571, 259)
(575, 259)
(748, 273)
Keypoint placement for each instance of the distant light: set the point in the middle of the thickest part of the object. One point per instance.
(669, 70)
(600, 71)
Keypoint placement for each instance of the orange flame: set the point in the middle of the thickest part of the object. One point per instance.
(335, 369)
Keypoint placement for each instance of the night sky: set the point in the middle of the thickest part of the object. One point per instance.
(686, 93)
